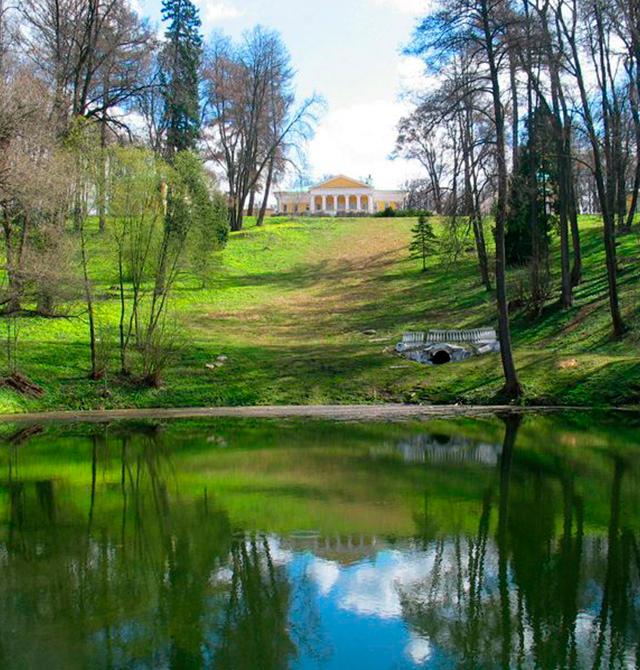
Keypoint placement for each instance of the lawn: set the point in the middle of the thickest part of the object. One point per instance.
(294, 306)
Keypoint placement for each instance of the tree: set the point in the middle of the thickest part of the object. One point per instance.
(180, 75)
(34, 188)
(534, 193)
(136, 211)
(449, 130)
(82, 143)
(144, 192)
(251, 122)
(418, 140)
(424, 241)
(454, 28)
(90, 51)
(600, 112)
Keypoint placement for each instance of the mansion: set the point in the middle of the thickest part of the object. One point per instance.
(338, 195)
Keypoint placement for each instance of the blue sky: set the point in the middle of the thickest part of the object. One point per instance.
(348, 51)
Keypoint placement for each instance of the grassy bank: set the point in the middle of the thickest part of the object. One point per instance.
(291, 304)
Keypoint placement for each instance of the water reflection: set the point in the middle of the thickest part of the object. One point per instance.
(151, 547)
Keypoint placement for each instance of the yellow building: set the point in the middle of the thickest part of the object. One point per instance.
(339, 195)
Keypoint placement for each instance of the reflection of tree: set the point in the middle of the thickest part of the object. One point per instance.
(617, 617)
(512, 425)
(526, 600)
(110, 575)
(256, 627)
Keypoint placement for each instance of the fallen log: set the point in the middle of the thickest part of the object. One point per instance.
(18, 382)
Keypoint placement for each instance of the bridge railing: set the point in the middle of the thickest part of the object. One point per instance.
(474, 335)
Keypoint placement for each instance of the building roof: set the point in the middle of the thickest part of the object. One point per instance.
(341, 181)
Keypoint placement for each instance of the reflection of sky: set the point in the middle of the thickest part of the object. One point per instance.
(359, 612)
(350, 615)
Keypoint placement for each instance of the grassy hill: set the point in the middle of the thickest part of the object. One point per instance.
(289, 305)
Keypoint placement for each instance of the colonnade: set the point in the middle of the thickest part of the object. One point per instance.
(342, 202)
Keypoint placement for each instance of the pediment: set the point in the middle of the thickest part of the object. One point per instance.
(341, 181)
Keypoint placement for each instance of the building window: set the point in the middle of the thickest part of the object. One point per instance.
(284, 208)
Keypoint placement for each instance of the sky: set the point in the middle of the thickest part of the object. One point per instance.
(347, 51)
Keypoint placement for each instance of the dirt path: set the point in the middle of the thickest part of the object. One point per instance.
(391, 412)
(336, 279)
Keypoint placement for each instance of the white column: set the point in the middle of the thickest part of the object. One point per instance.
(359, 203)
(324, 203)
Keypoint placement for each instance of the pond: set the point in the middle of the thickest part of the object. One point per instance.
(475, 543)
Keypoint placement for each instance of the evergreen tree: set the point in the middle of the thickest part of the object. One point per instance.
(423, 242)
(533, 195)
(180, 75)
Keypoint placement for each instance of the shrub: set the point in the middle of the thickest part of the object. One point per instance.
(403, 213)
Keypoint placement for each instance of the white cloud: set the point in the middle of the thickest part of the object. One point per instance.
(411, 73)
(357, 139)
(213, 12)
(411, 7)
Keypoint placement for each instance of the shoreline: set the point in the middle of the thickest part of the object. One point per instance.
(390, 412)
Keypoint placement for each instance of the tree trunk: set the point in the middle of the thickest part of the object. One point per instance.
(267, 192)
(576, 270)
(95, 373)
(515, 119)
(472, 204)
(14, 256)
(603, 188)
(512, 388)
(102, 177)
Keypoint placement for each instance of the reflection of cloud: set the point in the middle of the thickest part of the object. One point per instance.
(324, 573)
(372, 588)
(222, 575)
(418, 649)
(279, 555)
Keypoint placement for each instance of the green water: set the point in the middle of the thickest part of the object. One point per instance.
(475, 543)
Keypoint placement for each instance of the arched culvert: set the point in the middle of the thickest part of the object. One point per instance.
(441, 357)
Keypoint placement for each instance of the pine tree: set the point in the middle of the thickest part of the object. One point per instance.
(423, 242)
(533, 195)
(180, 75)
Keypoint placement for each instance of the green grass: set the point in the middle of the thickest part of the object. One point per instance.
(289, 304)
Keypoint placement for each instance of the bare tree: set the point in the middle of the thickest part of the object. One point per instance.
(34, 185)
(481, 26)
(585, 23)
(250, 114)
(418, 139)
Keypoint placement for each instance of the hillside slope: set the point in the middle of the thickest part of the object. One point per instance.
(294, 305)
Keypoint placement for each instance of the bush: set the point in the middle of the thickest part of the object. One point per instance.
(388, 212)
(403, 213)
